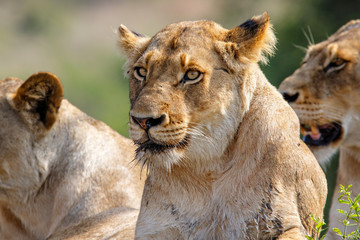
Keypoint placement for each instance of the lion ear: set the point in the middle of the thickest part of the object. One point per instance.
(131, 42)
(252, 40)
(38, 99)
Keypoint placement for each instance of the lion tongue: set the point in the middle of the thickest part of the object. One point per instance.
(315, 133)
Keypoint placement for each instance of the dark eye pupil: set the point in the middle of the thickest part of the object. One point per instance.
(141, 72)
(336, 62)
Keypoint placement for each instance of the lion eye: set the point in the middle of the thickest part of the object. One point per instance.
(192, 76)
(335, 65)
(140, 73)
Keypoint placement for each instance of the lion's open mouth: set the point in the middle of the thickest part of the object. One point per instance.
(158, 148)
(321, 135)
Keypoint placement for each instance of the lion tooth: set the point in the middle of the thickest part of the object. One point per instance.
(314, 130)
(303, 130)
(315, 133)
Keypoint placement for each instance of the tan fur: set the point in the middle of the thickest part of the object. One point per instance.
(331, 94)
(63, 174)
(223, 156)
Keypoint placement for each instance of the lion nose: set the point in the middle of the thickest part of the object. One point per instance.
(290, 97)
(146, 123)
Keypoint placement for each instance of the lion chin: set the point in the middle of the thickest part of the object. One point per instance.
(153, 155)
(151, 152)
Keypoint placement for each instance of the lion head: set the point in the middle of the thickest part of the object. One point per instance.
(186, 92)
(324, 92)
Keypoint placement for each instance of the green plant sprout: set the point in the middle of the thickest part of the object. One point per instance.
(319, 228)
(352, 217)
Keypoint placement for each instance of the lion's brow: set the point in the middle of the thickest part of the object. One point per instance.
(174, 44)
(183, 60)
(148, 57)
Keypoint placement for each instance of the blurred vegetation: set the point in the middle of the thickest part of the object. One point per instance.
(75, 40)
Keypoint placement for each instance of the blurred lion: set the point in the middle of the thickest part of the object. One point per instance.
(63, 174)
(324, 92)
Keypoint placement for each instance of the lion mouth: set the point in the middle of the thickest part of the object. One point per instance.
(321, 135)
(159, 148)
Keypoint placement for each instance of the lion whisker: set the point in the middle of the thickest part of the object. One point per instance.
(309, 36)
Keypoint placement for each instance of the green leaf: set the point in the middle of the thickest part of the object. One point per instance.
(342, 211)
(341, 195)
(308, 237)
(319, 224)
(345, 222)
(350, 234)
(357, 198)
(323, 237)
(337, 231)
(343, 201)
(357, 207)
(354, 219)
(347, 189)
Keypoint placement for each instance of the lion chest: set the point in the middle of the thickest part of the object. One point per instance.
(205, 214)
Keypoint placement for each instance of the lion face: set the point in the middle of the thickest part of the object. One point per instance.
(324, 92)
(186, 89)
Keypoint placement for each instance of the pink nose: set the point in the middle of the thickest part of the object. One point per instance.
(146, 123)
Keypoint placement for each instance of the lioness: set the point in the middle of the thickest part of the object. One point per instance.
(324, 92)
(63, 174)
(221, 145)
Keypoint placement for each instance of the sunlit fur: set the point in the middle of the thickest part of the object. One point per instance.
(224, 157)
(63, 174)
(332, 95)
